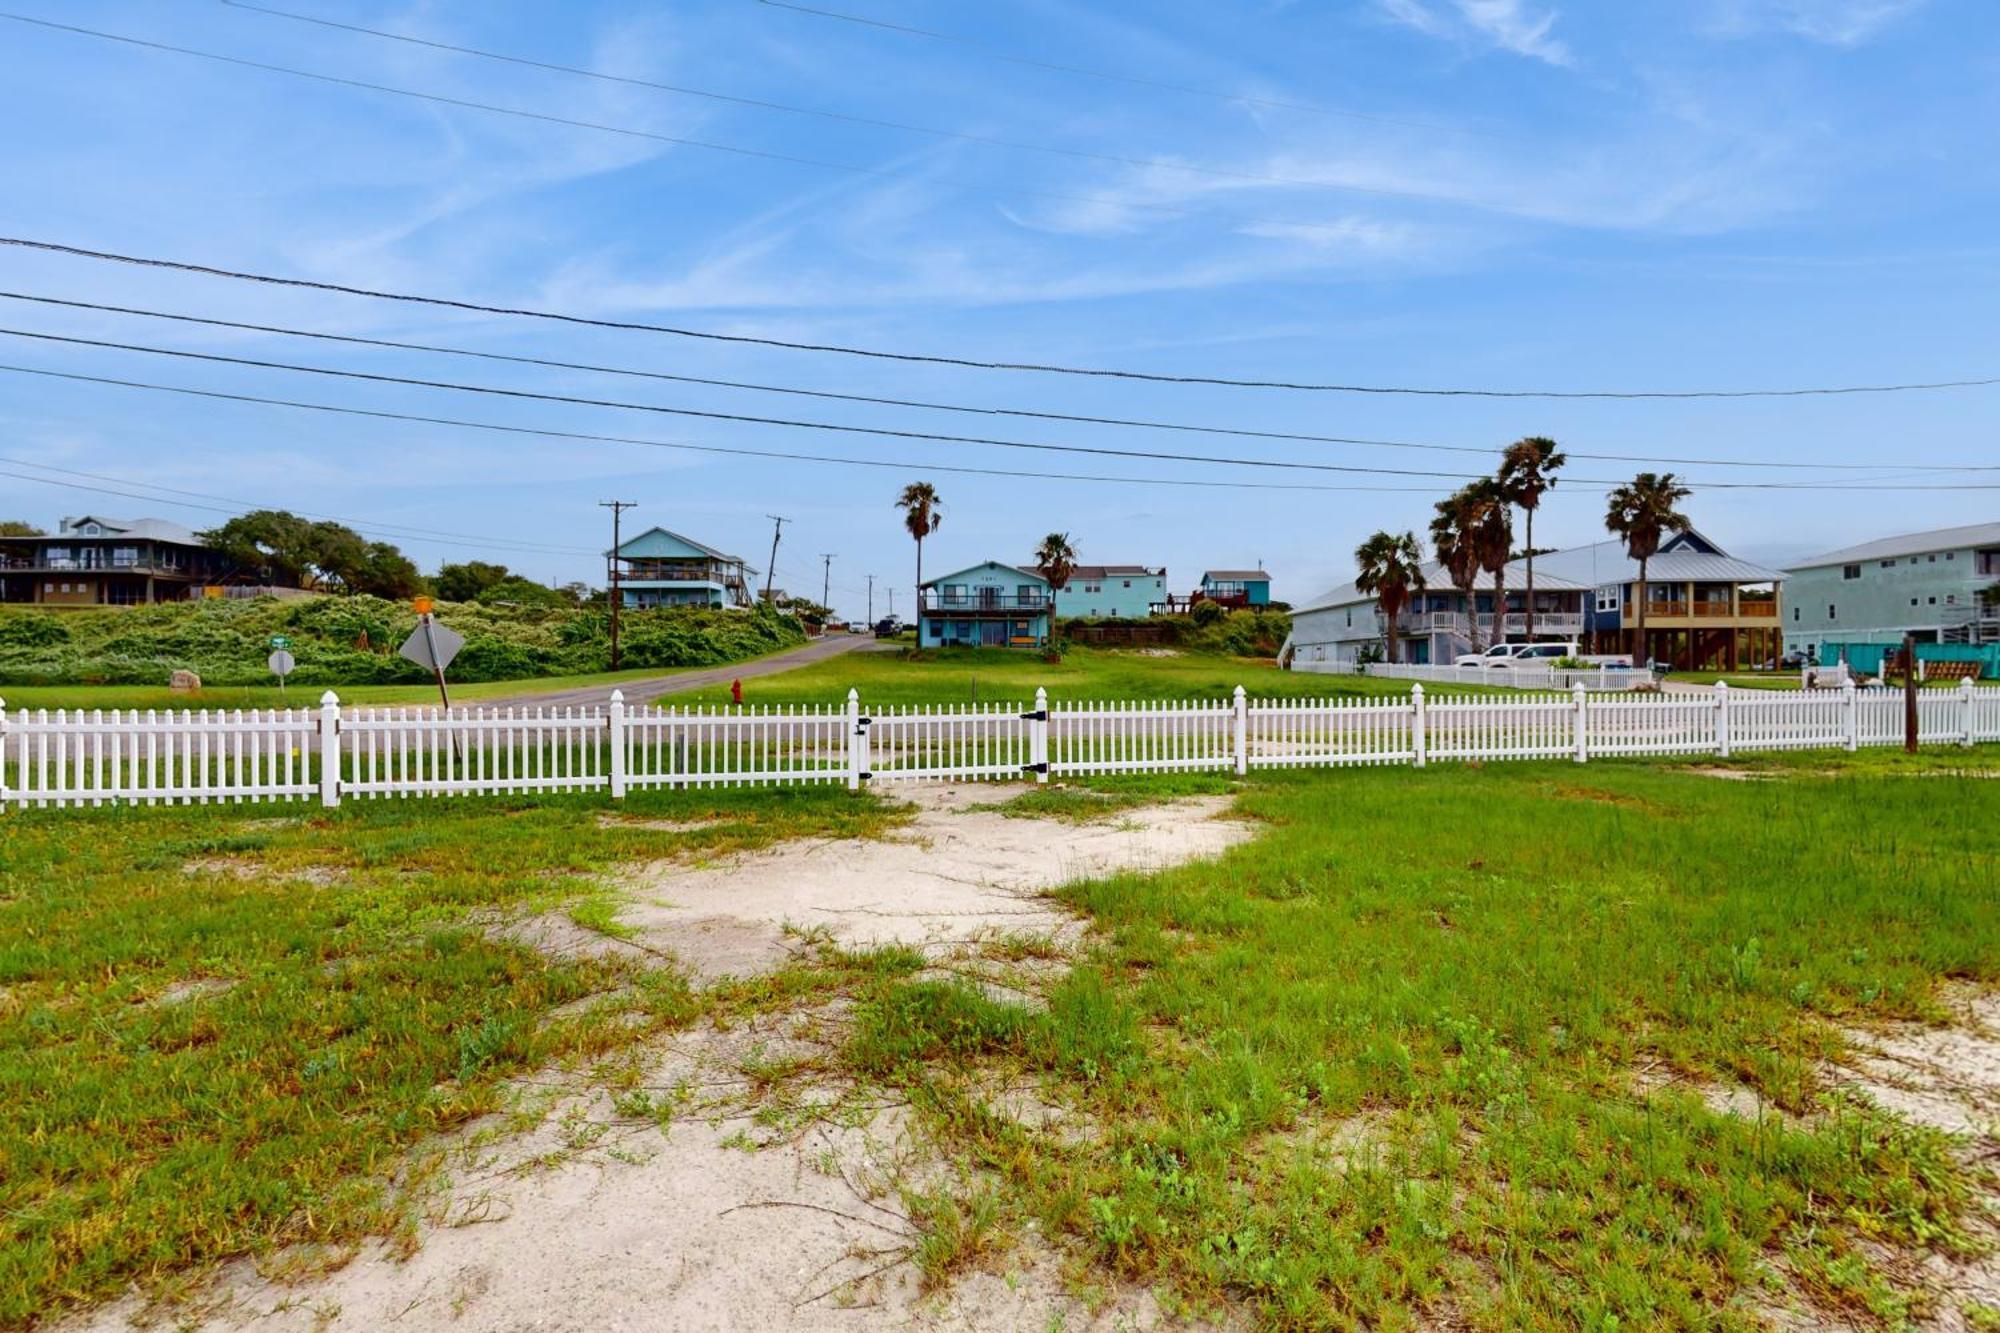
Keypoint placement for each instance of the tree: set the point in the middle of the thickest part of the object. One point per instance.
(14, 527)
(1055, 560)
(464, 583)
(1390, 569)
(381, 571)
(1641, 512)
(1451, 539)
(1491, 533)
(515, 590)
(921, 517)
(297, 552)
(1527, 470)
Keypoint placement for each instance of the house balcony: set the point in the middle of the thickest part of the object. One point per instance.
(1707, 611)
(1457, 622)
(40, 565)
(983, 602)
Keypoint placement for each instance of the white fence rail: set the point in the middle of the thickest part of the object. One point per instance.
(1539, 676)
(70, 758)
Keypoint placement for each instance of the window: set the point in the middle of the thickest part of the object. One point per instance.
(1607, 599)
(1931, 558)
(1888, 564)
(1850, 571)
(1913, 601)
(91, 530)
(1829, 610)
(1951, 555)
(1795, 615)
(1350, 617)
(124, 556)
(1933, 601)
(1128, 583)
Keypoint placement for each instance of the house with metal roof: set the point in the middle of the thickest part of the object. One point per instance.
(92, 560)
(1235, 588)
(988, 605)
(1933, 585)
(1704, 609)
(661, 568)
(1128, 592)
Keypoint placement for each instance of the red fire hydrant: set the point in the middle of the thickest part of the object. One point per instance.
(736, 691)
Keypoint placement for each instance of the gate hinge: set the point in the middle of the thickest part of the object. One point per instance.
(1039, 715)
(865, 776)
(861, 723)
(1042, 767)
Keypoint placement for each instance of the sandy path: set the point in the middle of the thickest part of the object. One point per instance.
(602, 1221)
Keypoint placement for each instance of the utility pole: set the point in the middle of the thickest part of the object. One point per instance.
(826, 580)
(776, 532)
(617, 508)
(871, 601)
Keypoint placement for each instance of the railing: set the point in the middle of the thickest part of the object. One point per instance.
(96, 758)
(1665, 610)
(1757, 609)
(997, 602)
(1546, 622)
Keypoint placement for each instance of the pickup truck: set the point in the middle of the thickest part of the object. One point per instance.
(1537, 654)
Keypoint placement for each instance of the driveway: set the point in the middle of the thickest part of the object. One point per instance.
(645, 689)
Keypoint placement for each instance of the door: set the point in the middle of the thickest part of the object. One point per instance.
(993, 633)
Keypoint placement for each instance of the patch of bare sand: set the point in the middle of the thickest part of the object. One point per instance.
(947, 877)
(719, 1195)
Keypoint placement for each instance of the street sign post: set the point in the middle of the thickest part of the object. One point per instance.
(433, 645)
(281, 663)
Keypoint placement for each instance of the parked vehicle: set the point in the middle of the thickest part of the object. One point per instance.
(1514, 654)
(888, 627)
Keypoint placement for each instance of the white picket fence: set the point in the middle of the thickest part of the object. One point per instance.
(71, 758)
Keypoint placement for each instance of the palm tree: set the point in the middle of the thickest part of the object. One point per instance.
(1527, 469)
(922, 515)
(1391, 568)
(1641, 512)
(1055, 560)
(1452, 541)
(1490, 530)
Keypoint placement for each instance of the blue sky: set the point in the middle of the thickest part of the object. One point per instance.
(1521, 194)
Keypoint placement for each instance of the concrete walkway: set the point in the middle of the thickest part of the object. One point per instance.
(645, 689)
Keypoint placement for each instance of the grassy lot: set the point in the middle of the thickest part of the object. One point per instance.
(1001, 674)
(1384, 1058)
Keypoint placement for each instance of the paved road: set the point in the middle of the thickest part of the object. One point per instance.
(648, 688)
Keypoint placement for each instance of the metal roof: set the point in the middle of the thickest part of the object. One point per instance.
(1249, 575)
(1117, 571)
(1909, 543)
(148, 529)
(1437, 580)
(683, 539)
(1036, 575)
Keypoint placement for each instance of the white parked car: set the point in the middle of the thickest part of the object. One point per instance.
(1517, 654)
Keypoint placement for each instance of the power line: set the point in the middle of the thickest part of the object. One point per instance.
(370, 526)
(1192, 90)
(822, 113)
(900, 465)
(928, 404)
(968, 363)
(739, 150)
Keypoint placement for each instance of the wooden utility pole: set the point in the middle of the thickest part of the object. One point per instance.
(871, 601)
(1909, 694)
(826, 581)
(776, 532)
(617, 508)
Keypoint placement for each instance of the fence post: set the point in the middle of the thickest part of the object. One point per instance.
(617, 745)
(1580, 698)
(1417, 746)
(1722, 718)
(1241, 724)
(1852, 701)
(329, 749)
(1038, 736)
(3, 757)
(1968, 704)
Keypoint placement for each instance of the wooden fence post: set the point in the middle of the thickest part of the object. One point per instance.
(1968, 706)
(1853, 703)
(1417, 746)
(1580, 714)
(617, 745)
(1241, 725)
(857, 741)
(1038, 736)
(329, 749)
(1722, 719)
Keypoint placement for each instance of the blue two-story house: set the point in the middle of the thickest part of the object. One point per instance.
(989, 605)
(1129, 592)
(662, 568)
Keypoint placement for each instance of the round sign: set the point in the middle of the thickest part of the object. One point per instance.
(281, 663)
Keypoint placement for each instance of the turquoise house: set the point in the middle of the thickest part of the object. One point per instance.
(1129, 592)
(1236, 587)
(661, 568)
(989, 605)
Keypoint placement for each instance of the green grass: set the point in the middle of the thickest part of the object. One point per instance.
(221, 1027)
(1384, 1059)
(1383, 1062)
(1004, 675)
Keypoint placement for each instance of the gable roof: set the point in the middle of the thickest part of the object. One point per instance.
(1437, 580)
(1236, 575)
(143, 529)
(1909, 543)
(1117, 572)
(985, 564)
(625, 547)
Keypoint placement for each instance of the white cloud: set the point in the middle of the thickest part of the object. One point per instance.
(1510, 25)
(1834, 22)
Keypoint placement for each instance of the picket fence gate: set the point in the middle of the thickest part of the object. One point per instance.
(74, 757)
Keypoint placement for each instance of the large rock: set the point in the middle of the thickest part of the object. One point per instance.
(184, 681)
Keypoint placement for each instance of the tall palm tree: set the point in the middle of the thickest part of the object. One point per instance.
(1391, 567)
(1451, 540)
(1641, 512)
(1055, 560)
(922, 515)
(1527, 469)
(1490, 530)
